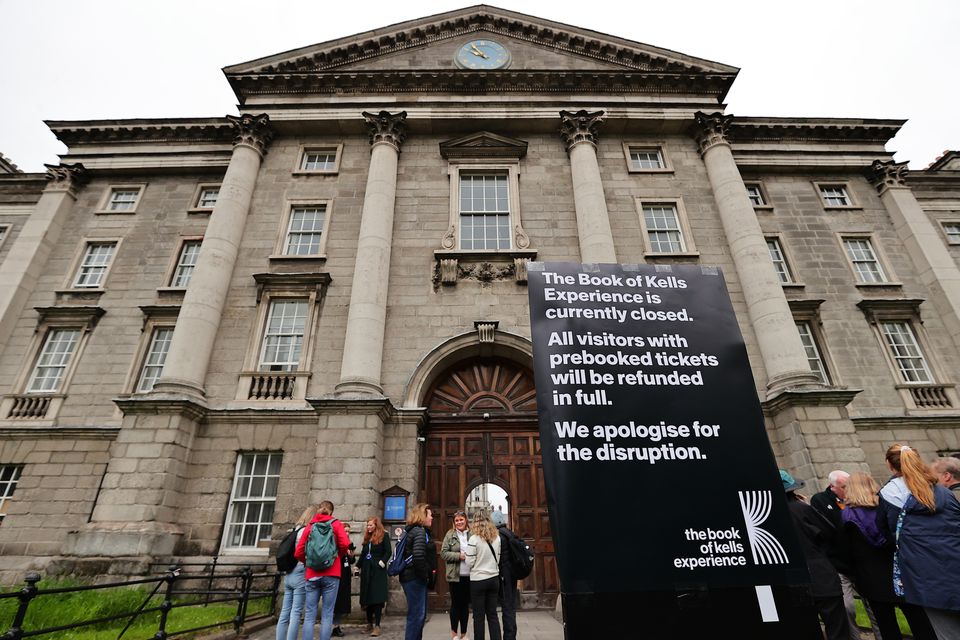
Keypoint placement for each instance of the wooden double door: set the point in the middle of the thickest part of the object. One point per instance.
(492, 437)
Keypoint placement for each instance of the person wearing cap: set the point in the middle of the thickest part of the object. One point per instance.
(814, 535)
(508, 583)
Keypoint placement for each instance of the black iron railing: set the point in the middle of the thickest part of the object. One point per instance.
(240, 583)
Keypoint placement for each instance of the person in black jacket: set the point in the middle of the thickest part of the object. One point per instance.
(508, 584)
(419, 575)
(814, 534)
(346, 580)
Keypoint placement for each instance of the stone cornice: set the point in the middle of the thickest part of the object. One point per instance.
(746, 129)
(823, 397)
(474, 82)
(74, 132)
(888, 174)
(483, 144)
(456, 24)
(907, 422)
(26, 432)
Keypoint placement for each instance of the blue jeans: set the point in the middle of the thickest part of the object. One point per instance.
(416, 592)
(325, 587)
(294, 592)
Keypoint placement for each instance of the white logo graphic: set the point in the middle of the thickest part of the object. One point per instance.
(756, 507)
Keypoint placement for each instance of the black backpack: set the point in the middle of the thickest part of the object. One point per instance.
(285, 560)
(517, 555)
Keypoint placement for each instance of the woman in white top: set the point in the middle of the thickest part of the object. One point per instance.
(294, 587)
(453, 551)
(483, 556)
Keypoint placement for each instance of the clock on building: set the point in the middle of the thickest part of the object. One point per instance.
(482, 54)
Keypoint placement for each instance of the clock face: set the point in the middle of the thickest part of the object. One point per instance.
(482, 54)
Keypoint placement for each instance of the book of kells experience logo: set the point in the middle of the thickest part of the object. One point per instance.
(727, 547)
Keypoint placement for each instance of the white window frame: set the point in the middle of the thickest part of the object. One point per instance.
(4, 233)
(197, 201)
(761, 192)
(49, 357)
(280, 249)
(905, 350)
(887, 277)
(809, 338)
(841, 184)
(262, 527)
(180, 265)
(502, 233)
(306, 150)
(9, 478)
(785, 275)
(953, 238)
(289, 365)
(155, 356)
(806, 313)
(107, 203)
(688, 247)
(647, 147)
(81, 264)
(517, 237)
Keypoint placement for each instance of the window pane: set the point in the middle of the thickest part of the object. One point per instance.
(835, 195)
(484, 212)
(953, 232)
(96, 260)
(186, 263)
(663, 229)
(9, 476)
(755, 195)
(779, 262)
(208, 197)
(156, 356)
(325, 160)
(254, 496)
(911, 364)
(54, 358)
(864, 260)
(813, 353)
(123, 199)
(283, 337)
(646, 159)
(305, 230)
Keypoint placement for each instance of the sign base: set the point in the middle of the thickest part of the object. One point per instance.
(696, 613)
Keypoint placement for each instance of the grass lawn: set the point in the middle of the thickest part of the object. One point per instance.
(864, 621)
(60, 609)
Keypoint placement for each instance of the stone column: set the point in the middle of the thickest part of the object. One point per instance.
(26, 259)
(186, 365)
(579, 133)
(783, 356)
(935, 266)
(366, 319)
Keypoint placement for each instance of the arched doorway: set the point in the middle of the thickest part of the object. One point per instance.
(482, 428)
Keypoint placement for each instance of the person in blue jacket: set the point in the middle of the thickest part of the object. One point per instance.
(923, 519)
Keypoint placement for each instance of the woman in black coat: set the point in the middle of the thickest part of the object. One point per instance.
(871, 557)
(342, 605)
(374, 556)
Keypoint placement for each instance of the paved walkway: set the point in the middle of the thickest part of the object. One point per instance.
(531, 625)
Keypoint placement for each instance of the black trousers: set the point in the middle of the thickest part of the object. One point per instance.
(459, 604)
(508, 606)
(834, 616)
(483, 596)
(889, 628)
(374, 612)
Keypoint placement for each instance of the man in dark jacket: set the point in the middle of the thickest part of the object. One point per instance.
(829, 504)
(814, 534)
(508, 584)
(947, 471)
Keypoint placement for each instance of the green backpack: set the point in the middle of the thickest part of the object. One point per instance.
(321, 550)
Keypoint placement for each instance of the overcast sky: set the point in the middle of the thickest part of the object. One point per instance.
(65, 60)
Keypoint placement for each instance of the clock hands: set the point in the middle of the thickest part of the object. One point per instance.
(477, 52)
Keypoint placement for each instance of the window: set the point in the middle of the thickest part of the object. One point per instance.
(863, 259)
(662, 225)
(779, 260)
(906, 353)
(4, 229)
(156, 356)
(835, 195)
(58, 348)
(952, 229)
(319, 159)
(252, 501)
(283, 335)
(755, 194)
(484, 211)
(121, 199)
(9, 476)
(94, 265)
(208, 197)
(186, 262)
(646, 158)
(813, 352)
(305, 230)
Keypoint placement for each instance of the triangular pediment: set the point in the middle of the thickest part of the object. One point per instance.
(483, 144)
(430, 43)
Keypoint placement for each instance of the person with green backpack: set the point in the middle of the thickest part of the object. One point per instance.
(323, 542)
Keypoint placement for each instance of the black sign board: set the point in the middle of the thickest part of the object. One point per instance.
(658, 469)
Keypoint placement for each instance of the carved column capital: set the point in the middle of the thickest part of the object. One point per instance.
(711, 129)
(388, 128)
(66, 177)
(252, 131)
(580, 126)
(887, 174)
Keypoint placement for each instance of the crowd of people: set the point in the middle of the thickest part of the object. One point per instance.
(897, 546)
(477, 575)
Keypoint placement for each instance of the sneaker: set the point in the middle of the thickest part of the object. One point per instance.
(376, 632)
(337, 632)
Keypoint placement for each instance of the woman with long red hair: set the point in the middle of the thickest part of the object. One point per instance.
(923, 520)
(373, 559)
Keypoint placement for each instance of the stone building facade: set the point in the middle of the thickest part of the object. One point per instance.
(207, 322)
